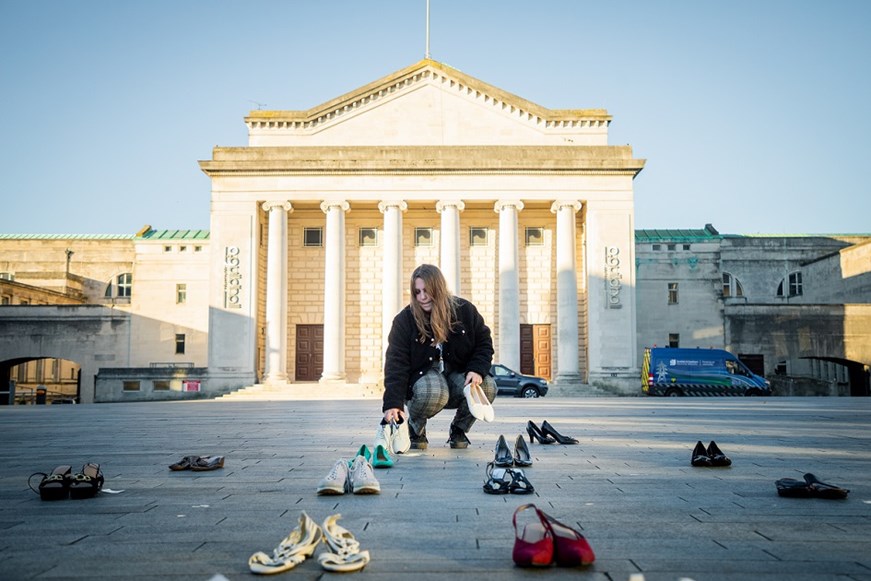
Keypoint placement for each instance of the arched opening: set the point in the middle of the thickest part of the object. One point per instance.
(26, 381)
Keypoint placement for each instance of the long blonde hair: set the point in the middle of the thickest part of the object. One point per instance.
(442, 317)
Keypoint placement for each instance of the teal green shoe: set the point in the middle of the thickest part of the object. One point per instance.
(363, 451)
(381, 458)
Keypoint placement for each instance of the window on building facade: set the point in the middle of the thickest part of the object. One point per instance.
(674, 339)
(5, 300)
(732, 286)
(160, 385)
(179, 344)
(182, 248)
(7, 276)
(794, 285)
(672, 293)
(125, 284)
(672, 246)
(477, 236)
(181, 293)
(687, 246)
(23, 302)
(368, 236)
(313, 236)
(167, 248)
(131, 386)
(535, 236)
(423, 236)
(198, 248)
(656, 247)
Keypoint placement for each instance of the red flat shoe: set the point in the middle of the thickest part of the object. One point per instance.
(534, 547)
(570, 547)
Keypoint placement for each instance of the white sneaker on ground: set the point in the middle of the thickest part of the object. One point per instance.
(384, 438)
(362, 478)
(336, 482)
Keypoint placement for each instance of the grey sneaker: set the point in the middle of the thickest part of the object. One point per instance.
(336, 482)
(362, 478)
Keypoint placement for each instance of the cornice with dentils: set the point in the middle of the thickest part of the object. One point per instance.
(405, 160)
(421, 70)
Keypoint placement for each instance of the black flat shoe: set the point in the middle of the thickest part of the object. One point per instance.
(547, 429)
(535, 433)
(503, 458)
(792, 488)
(716, 456)
(822, 490)
(700, 456)
(522, 457)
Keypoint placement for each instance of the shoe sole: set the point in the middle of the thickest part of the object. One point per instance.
(367, 490)
(330, 491)
(462, 446)
(419, 446)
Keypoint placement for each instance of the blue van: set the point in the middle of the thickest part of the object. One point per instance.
(673, 372)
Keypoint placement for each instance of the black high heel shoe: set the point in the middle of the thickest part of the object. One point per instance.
(536, 434)
(547, 429)
(503, 457)
(522, 457)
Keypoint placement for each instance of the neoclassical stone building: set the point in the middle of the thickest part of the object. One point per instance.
(317, 223)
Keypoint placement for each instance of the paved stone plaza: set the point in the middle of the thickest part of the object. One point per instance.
(628, 485)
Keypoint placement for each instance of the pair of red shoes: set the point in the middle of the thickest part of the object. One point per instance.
(549, 541)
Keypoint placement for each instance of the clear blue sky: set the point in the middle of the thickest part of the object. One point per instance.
(753, 115)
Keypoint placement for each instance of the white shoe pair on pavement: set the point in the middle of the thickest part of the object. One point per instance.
(359, 478)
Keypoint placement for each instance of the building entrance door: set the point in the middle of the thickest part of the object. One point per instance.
(535, 358)
(309, 352)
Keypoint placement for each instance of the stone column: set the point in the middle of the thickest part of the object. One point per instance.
(509, 284)
(334, 292)
(450, 242)
(568, 373)
(276, 293)
(392, 275)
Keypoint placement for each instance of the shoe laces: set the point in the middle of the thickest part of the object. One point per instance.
(338, 472)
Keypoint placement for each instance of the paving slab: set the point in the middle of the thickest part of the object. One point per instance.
(627, 486)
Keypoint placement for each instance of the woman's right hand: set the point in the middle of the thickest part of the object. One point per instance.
(393, 415)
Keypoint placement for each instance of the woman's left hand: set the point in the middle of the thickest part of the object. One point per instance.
(473, 378)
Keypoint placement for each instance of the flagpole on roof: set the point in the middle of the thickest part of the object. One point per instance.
(426, 53)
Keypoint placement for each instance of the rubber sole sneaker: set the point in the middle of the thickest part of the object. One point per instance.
(336, 482)
(362, 478)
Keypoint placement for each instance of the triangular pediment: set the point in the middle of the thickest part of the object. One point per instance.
(428, 103)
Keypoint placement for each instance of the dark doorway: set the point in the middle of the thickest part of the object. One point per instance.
(309, 352)
(754, 362)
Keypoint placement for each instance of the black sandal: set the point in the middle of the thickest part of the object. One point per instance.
(54, 486)
(87, 483)
(498, 480)
(519, 483)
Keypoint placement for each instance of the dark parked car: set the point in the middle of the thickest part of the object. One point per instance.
(510, 382)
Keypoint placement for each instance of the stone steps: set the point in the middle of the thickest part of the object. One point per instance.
(303, 391)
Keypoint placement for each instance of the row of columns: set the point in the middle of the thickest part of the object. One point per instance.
(334, 281)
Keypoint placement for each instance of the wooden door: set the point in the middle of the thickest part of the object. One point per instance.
(535, 350)
(309, 352)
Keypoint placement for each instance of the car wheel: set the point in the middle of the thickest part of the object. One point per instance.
(673, 392)
(528, 392)
(753, 392)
